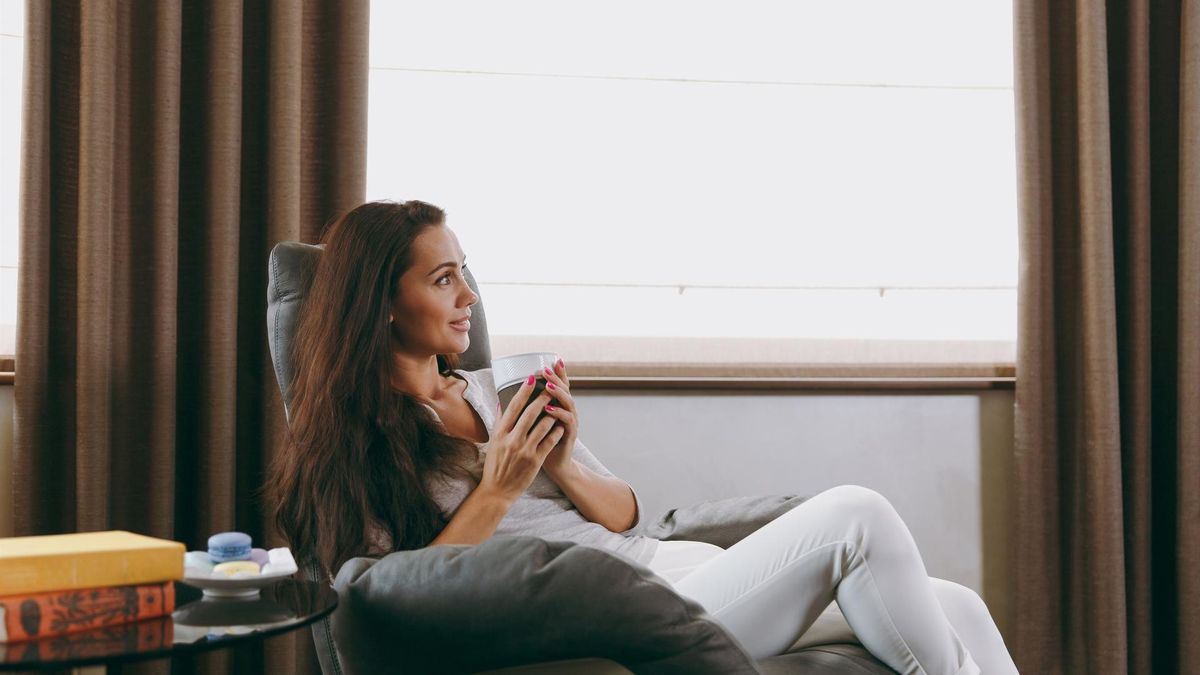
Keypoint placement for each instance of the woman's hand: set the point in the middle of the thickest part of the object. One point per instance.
(518, 447)
(559, 386)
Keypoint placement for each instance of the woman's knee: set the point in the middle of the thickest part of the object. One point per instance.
(958, 602)
(862, 504)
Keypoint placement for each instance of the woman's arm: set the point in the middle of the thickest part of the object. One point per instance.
(600, 496)
(476, 519)
(607, 500)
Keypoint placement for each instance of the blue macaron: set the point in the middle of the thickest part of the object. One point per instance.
(228, 546)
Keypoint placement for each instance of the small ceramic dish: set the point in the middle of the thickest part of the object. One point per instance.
(240, 585)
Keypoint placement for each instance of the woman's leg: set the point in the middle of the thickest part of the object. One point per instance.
(846, 544)
(676, 559)
(968, 615)
(973, 623)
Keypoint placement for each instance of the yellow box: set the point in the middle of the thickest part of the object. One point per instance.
(61, 562)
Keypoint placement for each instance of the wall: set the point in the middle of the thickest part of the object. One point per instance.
(941, 459)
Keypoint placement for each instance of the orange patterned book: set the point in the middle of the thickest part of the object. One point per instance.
(140, 636)
(31, 617)
(85, 560)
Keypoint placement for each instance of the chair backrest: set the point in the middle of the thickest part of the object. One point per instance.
(291, 268)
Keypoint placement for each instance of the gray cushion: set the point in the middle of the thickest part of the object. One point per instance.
(519, 599)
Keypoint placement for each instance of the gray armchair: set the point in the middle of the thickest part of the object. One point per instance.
(410, 597)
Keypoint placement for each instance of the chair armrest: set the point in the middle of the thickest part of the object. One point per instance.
(722, 522)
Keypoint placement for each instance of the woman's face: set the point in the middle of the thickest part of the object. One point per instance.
(433, 295)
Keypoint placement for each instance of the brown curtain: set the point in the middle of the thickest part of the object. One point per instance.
(167, 147)
(1107, 469)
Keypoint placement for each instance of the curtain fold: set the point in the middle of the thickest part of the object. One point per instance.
(167, 147)
(1107, 466)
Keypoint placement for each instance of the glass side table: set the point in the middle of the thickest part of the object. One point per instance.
(197, 624)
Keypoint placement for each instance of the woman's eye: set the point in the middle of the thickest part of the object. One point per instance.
(447, 275)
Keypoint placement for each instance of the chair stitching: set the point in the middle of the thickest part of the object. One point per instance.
(333, 655)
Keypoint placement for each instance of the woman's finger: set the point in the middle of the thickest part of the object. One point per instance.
(562, 392)
(517, 403)
(562, 395)
(552, 376)
(561, 368)
(559, 413)
(530, 413)
(550, 441)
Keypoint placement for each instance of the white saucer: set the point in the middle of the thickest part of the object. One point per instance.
(241, 585)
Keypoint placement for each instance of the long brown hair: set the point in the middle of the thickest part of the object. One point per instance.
(359, 451)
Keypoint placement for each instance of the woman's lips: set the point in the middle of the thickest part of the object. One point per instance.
(464, 325)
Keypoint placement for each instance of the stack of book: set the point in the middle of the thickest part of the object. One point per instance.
(65, 583)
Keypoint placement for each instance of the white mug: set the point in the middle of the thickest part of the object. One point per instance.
(510, 372)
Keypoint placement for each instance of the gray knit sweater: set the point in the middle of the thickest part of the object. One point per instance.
(543, 510)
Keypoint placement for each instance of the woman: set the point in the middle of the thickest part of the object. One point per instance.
(395, 448)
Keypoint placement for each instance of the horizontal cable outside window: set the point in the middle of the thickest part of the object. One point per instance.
(682, 287)
(779, 83)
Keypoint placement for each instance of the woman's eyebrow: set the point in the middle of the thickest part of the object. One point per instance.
(447, 264)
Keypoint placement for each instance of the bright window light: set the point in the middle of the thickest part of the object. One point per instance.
(687, 169)
(12, 60)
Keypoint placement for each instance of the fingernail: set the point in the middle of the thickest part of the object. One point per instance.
(550, 385)
(561, 364)
(548, 371)
(549, 408)
(530, 380)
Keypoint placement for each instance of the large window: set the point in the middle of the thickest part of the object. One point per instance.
(695, 183)
(692, 183)
(12, 50)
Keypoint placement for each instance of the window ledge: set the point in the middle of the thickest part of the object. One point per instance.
(607, 362)
(776, 364)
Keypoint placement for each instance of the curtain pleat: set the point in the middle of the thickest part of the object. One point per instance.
(167, 147)
(1187, 473)
(1107, 465)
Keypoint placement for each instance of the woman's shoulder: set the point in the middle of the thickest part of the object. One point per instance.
(481, 376)
(481, 391)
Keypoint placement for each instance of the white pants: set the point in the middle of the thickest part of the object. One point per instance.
(840, 567)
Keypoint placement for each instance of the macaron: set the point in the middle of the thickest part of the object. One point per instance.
(198, 560)
(228, 546)
(234, 566)
(259, 556)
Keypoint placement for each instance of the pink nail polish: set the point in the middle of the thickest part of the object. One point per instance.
(561, 364)
(550, 385)
(530, 380)
(548, 371)
(549, 408)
